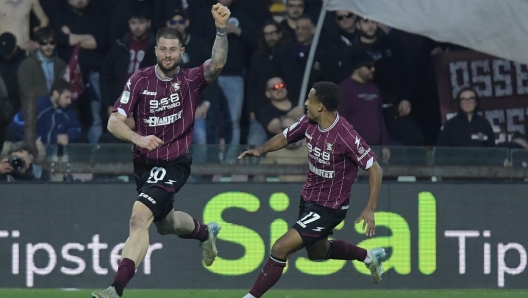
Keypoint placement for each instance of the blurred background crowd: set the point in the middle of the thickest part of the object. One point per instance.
(63, 63)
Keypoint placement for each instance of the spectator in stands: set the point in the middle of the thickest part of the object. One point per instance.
(83, 24)
(289, 62)
(241, 32)
(129, 53)
(467, 128)
(373, 41)
(294, 10)
(196, 52)
(15, 19)
(56, 120)
(272, 114)
(400, 124)
(6, 111)
(361, 104)
(416, 80)
(344, 40)
(41, 68)
(10, 58)
(19, 165)
(196, 49)
(272, 35)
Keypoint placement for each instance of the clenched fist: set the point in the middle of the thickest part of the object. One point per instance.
(220, 14)
(149, 142)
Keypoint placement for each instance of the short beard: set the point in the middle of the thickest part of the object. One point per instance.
(369, 37)
(167, 69)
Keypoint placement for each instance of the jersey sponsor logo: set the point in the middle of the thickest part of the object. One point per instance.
(158, 105)
(146, 92)
(148, 198)
(125, 97)
(321, 173)
(175, 86)
(160, 121)
(360, 149)
(319, 155)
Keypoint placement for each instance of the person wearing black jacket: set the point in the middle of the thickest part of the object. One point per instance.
(82, 24)
(467, 128)
(133, 51)
(242, 40)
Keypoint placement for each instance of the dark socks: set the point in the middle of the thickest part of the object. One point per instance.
(341, 250)
(271, 273)
(124, 274)
(200, 232)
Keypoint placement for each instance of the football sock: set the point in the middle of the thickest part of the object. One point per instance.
(124, 274)
(341, 250)
(271, 273)
(200, 232)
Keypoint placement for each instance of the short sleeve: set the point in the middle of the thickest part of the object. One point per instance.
(126, 102)
(196, 78)
(359, 151)
(296, 131)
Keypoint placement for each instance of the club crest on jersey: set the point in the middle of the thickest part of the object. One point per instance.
(329, 147)
(175, 87)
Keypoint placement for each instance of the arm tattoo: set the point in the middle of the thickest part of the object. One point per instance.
(214, 65)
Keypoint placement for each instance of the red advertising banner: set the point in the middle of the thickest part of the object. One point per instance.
(501, 85)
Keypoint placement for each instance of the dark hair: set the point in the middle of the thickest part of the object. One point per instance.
(61, 85)
(20, 146)
(307, 17)
(467, 89)
(287, 1)
(171, 14)
(328, 94)
(169, 33)
(140, 10)
(44, 33)
(263, 49)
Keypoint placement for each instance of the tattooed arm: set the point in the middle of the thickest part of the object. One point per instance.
(213, 66)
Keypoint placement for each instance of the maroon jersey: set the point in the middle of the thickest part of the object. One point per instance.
(163, 107)
(334, 155)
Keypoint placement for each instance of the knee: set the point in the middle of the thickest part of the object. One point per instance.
(279, 251)
(162, 229)
(316, 256)
(138, 221)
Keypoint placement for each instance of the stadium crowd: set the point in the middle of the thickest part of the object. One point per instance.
(64, 63)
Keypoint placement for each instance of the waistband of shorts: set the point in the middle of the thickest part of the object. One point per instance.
(303, 201)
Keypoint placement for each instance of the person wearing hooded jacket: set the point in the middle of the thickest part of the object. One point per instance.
(467, 128)
(133, 51)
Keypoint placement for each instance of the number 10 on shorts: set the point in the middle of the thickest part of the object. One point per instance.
(310, 217)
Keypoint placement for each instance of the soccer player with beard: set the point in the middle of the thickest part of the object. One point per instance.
(335, 151)
(162, 99)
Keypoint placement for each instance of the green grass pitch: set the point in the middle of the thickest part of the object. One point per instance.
(56, 293)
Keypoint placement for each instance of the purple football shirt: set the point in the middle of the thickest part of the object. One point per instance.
(334, 155)
(163, 107)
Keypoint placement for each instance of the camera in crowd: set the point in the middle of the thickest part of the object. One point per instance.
(17, 163)
(19, 166)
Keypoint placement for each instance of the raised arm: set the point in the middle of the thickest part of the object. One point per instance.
(213, 66)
